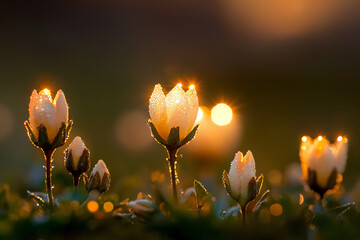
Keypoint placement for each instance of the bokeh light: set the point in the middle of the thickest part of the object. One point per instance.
(276, 209)
(221, 114)
(132, 131)
(108, 207)
(92, 206)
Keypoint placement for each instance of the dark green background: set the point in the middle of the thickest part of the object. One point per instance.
(107, 56)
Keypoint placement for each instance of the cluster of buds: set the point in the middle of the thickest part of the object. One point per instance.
(241, 183)
(77, 162)
(173, 116)
(323, 163)
(48, 126)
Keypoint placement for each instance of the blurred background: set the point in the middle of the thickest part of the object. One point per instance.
(285, 68)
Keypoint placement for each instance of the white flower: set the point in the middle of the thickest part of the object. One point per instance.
(48, 112)
(177, 109)
(241, 171)
(322, 157)
(78, 152)
(99, 178)
(141, 206)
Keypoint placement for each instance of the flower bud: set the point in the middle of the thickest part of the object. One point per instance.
(322, 162)
(142, 207)
(177, 109)
(77, 157)
(48, 124)
(242, 171)
(99, 178)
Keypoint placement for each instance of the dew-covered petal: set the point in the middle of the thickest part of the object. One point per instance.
(321, 160)
(177, 108)
(157, 110)
(101, 168)
(340, 149)
(61, 106)
(235, 173)
(193, 106)
(76, 148)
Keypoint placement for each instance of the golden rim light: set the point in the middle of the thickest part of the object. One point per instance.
(320, 138)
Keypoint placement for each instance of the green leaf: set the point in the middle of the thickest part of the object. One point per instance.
(190, 136)
(341, 209)
(59, 140)
(155, 134)
(332, 179)
(262, 200)
(43, 139)
(30, 133)
(39, 199)
(259, 183)
(68, 129)
(252, 190)
(174, 137)
(201, 192)
(234, 211)
(226, 182)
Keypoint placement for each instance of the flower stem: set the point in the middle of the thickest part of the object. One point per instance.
(48, 158)
(243, 213)
(172, 152)
(76, 177)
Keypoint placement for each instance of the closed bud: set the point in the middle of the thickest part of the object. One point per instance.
(176, 109)
(142, 207)
(242, 178)
(77, 157)
(322, 162)
(99, 178)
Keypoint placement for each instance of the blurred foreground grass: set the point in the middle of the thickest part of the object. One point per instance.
(289, 213)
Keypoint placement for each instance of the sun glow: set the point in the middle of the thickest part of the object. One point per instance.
(200, 115)
(304, 139)
(221, 114)
(340, 138)
(320, 138)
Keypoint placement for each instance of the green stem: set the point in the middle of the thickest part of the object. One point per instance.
(243, 213)
(172, 152)
(76, 177)
(48, 158)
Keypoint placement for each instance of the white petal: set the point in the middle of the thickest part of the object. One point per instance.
(235, 173)
(76, 148)
(101, 168)
(321, 160)
(43, 112)
(193, 107)
(248, 172)
(305, 147)
(340, 149)
(157, 110)
(61, 106)
(32, 120)
(177, 108)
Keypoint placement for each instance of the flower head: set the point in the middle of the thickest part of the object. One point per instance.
(242, 170)
(99, 178)
(48, 112)
(142, 207)
(77, 157)
(176, 109)
(322, 160)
